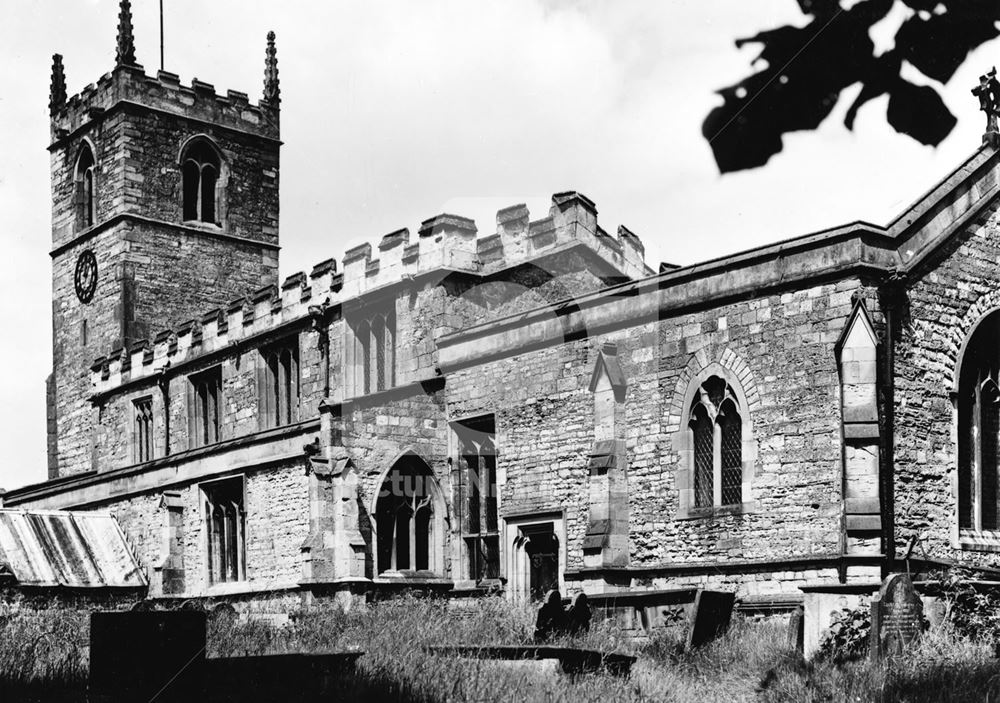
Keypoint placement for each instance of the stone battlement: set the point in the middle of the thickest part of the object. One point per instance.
(444, 243)
(199, 101)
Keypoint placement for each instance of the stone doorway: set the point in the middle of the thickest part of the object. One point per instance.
(535, 559)
(542, 549)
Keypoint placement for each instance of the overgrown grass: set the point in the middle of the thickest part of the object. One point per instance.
(45, 652)
(943, 667)
(43, 655)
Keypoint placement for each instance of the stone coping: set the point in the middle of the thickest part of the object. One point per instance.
(637, 597)
(45, 489)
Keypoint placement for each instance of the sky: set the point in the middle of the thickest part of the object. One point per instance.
(396, 111)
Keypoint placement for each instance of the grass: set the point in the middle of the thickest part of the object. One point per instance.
(42, 653)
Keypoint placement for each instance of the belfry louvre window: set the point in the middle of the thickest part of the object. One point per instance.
(86, 209)
(979, 428)
(200, 166)
(375, 352)
(481, 519)
(717, 434)
(225, 526)
(278, 384)
(204, 407)
(142, 430)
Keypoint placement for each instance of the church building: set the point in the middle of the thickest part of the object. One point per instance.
(471, 412)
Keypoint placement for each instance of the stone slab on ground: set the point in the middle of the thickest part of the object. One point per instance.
(572, 660)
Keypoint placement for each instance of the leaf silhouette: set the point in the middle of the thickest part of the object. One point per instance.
(939, 44)
(808, 68)
(919, 112)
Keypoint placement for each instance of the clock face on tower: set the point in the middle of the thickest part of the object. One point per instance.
(85, 277)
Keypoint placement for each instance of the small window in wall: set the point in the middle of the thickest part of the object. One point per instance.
(86, 209)
(142, 430)
(278, 384)
(480, 519)
(201, 167)
(375, 352)
(204, 409)
(717, 442)
(225, 527)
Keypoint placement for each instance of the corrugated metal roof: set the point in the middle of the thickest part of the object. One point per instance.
(61, 548)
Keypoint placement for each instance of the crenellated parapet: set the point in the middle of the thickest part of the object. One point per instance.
(444, 244)
(219, 328)
(449, 242)
(129, 83)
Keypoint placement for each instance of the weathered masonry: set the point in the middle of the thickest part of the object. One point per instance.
(529, 409)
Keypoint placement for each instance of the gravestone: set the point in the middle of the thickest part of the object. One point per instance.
(797, 630)
(578, 615)
(551, 621)
(147, 655)
(712, 613)
(897, 616)
(555, 621)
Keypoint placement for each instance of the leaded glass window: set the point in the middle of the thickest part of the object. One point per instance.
(717, 444)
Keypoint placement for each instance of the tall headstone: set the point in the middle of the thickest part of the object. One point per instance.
(712, 613)
(897, 616)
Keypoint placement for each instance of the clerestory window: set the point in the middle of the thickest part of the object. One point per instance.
(278, 389)
(204, 407)
(142, 430)
(375, 352)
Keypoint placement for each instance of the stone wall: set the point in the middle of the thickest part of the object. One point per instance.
(782, 350)
(276, 523)
(239, 403)
(80, 333)
(150, 151)
(944, 302)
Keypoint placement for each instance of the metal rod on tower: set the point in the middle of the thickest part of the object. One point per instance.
(161, 35)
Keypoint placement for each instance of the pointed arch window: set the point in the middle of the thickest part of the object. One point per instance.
(86, 193)
(142, 431)
(408, 519)
(716, 428)
(201, 168)
(979, 429)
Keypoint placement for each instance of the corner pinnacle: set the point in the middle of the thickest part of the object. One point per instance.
(125, 54)
(272, 93)
(57, 88)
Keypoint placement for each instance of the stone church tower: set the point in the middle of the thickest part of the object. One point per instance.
(164, 202)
